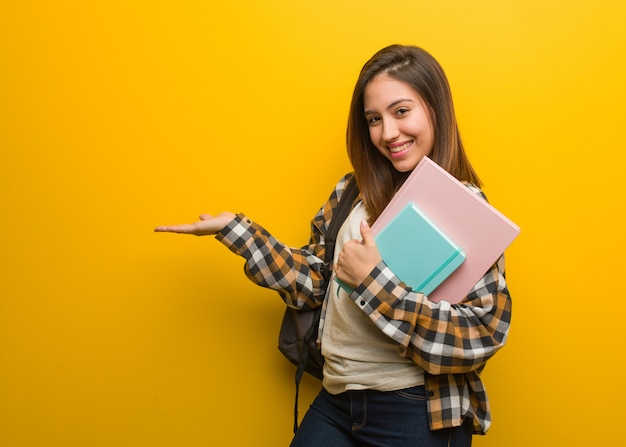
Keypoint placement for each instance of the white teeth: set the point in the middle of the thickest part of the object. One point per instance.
(400, 148)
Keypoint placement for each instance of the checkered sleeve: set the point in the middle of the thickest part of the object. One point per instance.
(295, 273)
(440, 337)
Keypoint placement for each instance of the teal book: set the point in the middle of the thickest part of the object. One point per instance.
(417, 251)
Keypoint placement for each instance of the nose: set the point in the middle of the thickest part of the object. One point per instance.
(390, 130)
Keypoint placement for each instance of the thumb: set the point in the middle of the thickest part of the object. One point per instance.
(366, 233)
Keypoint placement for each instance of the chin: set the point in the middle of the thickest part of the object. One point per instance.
(405, 166)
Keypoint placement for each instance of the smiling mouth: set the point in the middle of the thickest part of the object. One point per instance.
(395, 150)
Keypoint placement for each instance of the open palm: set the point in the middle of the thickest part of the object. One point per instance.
(207, 225)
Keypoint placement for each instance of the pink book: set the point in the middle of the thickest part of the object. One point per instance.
(481, 231)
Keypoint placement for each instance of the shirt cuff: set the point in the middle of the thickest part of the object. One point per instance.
(380, 291)
(383, 297)
(237, 233)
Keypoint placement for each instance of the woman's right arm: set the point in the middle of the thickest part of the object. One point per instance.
(295, 273)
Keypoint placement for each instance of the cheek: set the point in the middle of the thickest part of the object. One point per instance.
(431, 137)
(374, 135)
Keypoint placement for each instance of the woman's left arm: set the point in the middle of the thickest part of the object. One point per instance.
(440, 337)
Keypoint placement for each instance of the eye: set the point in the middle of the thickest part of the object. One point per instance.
(372, 120)
(402, 111)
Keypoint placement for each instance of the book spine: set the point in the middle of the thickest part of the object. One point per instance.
(444, 271)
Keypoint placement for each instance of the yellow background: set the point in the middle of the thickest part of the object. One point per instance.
(117, 116)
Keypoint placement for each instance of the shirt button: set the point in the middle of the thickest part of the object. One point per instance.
(431, 393)
(362, 303)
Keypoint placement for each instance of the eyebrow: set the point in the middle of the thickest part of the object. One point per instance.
(396, 102)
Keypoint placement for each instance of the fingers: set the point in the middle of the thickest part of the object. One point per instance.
(366, 233)
(185, 228)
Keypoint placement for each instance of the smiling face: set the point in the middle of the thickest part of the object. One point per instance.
(399, 122)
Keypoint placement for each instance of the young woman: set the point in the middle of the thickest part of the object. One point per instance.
(399, 369)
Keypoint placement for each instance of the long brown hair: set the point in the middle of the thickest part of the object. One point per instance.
(378, 180)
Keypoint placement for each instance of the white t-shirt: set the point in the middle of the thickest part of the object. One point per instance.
(357, 354)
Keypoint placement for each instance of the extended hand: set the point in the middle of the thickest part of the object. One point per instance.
(358, 258)
(205, 226)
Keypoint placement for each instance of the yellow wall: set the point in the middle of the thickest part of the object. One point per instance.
(116, 116)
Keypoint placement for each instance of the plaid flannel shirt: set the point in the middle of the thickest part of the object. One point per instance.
(451, 342)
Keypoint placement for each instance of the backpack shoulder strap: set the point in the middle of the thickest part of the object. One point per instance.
(340, 214)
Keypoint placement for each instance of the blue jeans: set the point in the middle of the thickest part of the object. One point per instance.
(375, 418)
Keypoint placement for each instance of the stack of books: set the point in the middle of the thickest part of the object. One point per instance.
(438, 236)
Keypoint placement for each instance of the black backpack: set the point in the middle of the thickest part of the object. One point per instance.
(298, 332)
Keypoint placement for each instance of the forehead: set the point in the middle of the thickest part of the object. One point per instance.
(384, 90)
